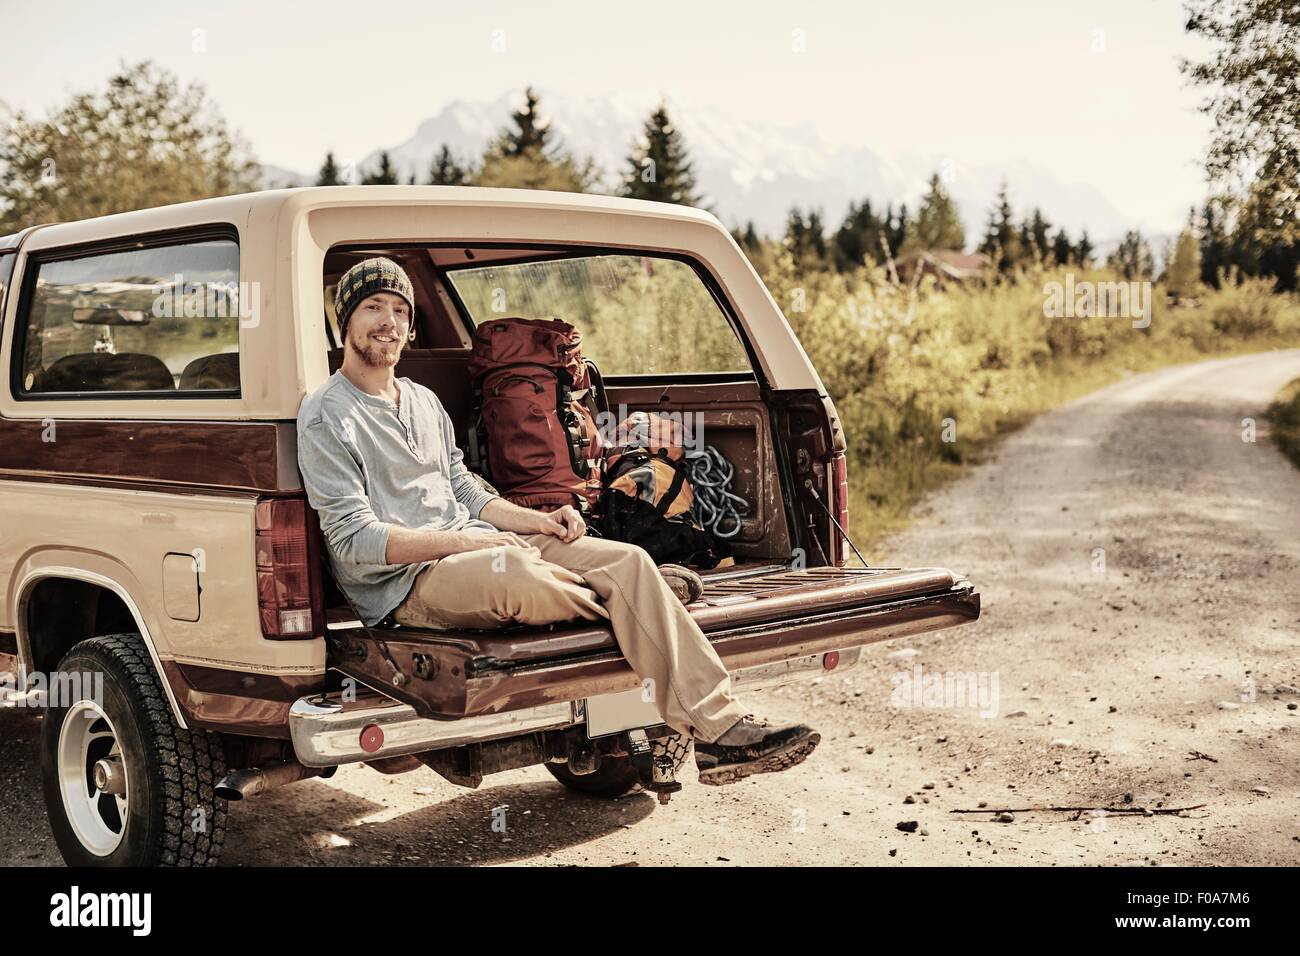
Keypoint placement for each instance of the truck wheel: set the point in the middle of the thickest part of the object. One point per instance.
(124, 784)
(617, 775)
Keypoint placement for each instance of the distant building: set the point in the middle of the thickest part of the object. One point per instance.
(946, 265)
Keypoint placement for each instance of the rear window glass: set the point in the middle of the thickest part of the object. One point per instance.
(637, 314)
(160, 319)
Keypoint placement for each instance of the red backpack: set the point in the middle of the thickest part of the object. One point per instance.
(533, 432)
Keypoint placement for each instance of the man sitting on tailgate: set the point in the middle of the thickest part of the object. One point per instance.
(412, 534)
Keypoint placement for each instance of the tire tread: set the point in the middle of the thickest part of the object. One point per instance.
(190, 761)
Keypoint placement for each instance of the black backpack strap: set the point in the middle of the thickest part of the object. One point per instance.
(575, 433)
(597, 387)
(674, 489)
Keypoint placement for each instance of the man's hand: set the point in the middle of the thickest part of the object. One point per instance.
(565, 523)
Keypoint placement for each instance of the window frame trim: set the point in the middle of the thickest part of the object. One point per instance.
(6, 281)
(188, 235)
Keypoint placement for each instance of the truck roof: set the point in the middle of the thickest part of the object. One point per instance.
(285, 234)
(267, 203)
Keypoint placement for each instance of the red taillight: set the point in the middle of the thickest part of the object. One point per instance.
(284, 570)
(840, 495)
(830, 660)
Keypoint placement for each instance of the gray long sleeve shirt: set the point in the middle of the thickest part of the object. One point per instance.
(368, 464)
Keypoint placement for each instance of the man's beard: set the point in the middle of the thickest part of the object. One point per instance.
(371, 354)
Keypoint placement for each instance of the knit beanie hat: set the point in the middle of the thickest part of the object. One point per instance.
(365, 279)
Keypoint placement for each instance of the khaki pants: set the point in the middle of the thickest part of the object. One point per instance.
(591, 578)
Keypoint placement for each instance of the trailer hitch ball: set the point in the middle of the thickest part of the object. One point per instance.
(654, 770)
(664, 778)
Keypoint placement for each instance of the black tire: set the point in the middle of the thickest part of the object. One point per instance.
(617, 775)
(172, 814)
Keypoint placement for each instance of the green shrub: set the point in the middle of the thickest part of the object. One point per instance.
(901, 363)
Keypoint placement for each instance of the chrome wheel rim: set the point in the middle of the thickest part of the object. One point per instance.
(93, 778)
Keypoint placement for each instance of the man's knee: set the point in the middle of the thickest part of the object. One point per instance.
(630, 562)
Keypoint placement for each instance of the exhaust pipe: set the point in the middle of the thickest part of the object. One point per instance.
(239, 784)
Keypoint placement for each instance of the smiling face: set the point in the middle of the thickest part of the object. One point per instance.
(378, 329)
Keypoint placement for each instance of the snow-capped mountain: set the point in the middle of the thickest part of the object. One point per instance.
(750, 170)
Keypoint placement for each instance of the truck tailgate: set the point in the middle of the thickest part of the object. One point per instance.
(750, 618)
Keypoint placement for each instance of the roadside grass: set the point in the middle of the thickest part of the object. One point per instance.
(1284, 418)
(927, 381)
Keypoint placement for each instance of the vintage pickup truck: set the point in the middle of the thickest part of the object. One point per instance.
(156, 542)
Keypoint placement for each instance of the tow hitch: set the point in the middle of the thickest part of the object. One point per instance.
(654, 765)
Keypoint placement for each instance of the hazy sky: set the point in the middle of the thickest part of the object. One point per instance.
(1089, 90)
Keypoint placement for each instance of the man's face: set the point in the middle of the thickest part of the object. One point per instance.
(378, 329)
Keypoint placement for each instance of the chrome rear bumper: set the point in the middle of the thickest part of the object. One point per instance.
(327, 731)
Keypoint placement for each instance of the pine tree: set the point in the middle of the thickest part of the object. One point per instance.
(1083, 251)
(1001, 241)
(526, 157)
(445, 171)
(531, 135)
(658, 165)
(1215, 251)
(937, 224)
(386, 175)
(806, 239)
(1132, 258)
(329, 173)
(817, 235)
(857, 240)
(1034, 235)
(1026, 239)
(1061, 248)
(897, 232)
(1184, 274)
(795, 228)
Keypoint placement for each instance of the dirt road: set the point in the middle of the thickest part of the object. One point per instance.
(1139, 564)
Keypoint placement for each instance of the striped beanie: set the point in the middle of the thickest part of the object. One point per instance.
(365, 279)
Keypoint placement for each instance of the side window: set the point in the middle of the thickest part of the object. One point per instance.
(158, 319)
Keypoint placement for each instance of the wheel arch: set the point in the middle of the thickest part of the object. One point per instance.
(36, 647)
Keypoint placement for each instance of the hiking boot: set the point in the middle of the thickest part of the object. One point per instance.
(683, 582)
(752, 745)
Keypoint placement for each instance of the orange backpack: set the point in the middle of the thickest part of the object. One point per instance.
(648, 462)
(648, 495)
